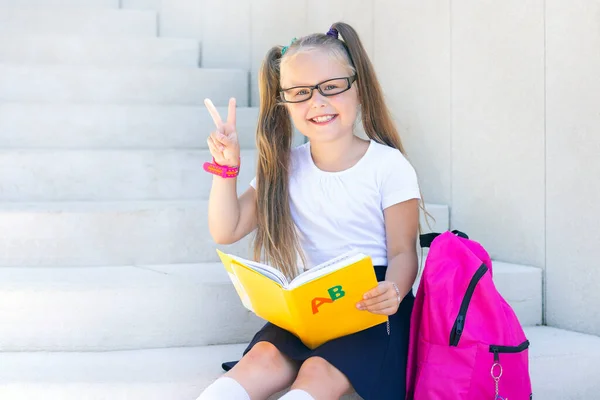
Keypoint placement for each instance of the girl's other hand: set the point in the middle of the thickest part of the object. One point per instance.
(383, 299)
(223, 143)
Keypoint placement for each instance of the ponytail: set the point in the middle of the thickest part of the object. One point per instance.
(276, 234)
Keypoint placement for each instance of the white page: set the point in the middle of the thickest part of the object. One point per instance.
(326, 268)
(265, 270)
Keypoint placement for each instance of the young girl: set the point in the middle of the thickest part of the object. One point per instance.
(312, 203)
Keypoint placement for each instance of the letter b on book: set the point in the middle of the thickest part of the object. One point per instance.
(335, 293)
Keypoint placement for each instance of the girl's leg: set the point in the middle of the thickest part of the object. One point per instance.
(262, 372)
(320, 381)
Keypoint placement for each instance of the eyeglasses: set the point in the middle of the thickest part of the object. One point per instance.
(330, 87)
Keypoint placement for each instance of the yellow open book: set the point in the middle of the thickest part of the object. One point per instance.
(318, 305)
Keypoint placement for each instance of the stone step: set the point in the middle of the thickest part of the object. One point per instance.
(562, 367)
(100, 126)
(110, 175)
(78, 21)
(67, 234)
(51, 4)
(110, 51)
(120, 308)
(563, 364)
(174, 374)
(143, 4)
(129, 307)
(125, 85)
(519, 285)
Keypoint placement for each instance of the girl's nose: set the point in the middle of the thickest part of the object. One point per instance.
(318, 100)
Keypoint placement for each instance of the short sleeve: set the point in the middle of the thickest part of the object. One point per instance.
(399, 180)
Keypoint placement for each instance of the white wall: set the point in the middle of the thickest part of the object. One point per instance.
(573, 164)
(498, 103)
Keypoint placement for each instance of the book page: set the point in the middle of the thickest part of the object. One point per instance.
(326, 268)
(263, 269)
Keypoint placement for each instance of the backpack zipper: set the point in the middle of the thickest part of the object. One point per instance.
(459, 323)
(507, 349)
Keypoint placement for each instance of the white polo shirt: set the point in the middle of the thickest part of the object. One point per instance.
(336, 212)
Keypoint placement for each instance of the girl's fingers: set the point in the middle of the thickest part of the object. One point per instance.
(212, 147)
(213, 112)
(377, 291)
(226, 139)
(381, 303)
(229, 141)
(384, 307)
(212, 142)
(384, 290)
(218, 140)
(374, 301)
(231, 113)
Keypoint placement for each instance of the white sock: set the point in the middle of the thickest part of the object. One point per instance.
(224, 388)
(297, 394)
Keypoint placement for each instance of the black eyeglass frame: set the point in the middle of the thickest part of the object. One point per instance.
(349, 79)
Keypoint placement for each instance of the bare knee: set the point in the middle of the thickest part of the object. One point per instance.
(264, 371)
(316, 368)
(321, 379)
(265, 357)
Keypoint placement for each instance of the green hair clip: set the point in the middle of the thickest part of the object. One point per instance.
(285, 48)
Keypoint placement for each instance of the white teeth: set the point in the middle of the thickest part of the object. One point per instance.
(323, 118)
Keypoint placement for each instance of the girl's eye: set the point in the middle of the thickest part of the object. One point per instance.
(301, 92)
(330, 86)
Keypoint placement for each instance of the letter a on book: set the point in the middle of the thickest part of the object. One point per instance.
(318, 301)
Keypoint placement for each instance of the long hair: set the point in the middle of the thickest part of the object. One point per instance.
(276, 236)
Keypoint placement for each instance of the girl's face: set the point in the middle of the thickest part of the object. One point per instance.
(335, 115)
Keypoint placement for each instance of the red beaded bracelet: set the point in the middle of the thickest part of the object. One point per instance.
(223, 171)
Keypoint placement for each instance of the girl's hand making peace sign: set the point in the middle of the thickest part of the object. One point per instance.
(223, 143)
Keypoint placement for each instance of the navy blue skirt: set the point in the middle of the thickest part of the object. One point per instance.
(373, 361)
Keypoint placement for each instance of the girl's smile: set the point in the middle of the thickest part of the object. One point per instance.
(323, 119)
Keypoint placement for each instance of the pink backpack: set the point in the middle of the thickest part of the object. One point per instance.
(465, 340)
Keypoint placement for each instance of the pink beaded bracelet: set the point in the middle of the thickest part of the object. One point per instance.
(223, 171)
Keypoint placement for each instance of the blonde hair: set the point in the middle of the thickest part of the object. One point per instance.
(276, 237)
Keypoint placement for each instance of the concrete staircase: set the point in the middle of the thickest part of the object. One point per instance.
(109, 282)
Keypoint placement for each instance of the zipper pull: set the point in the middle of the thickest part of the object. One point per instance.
(496, 356)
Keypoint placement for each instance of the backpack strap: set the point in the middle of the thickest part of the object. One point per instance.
(426, 239)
